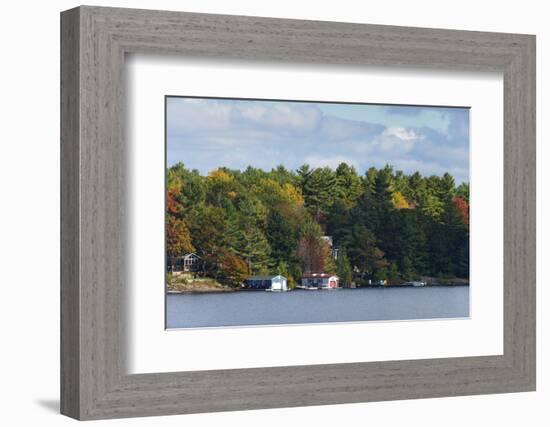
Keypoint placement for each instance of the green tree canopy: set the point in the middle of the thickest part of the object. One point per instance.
(383, 224)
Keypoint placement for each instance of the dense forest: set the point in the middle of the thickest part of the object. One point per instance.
(383, 224)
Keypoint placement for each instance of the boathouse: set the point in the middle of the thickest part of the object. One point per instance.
(320, 280)
(274, 283)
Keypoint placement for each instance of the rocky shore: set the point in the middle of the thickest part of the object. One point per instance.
(183, 284)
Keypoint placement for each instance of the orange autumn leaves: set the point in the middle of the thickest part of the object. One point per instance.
(462, 208)
(178, 237)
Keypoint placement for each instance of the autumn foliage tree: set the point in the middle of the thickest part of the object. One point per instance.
(462, 208)
(399, 201)
(178, 238)
(231, 270)
(312, 248)
(384, 223)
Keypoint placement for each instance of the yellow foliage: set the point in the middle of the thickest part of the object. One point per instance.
(292, 194)
(399, 201)
(220, 176)
(174, 182)
(286, 193)
(178, 237)
(270, 185)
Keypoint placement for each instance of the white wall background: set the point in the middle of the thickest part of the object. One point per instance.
(29, 213)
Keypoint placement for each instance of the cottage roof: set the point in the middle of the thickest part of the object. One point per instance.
(192, 254)
(187, 256)
(317, 275)
(264, 277)
(327, 239)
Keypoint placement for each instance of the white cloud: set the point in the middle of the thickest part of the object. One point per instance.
(208, 116)
(285, 118)
(397, 140)
(208, 133)
(252, 113)
(401, 133)
(189, 115)
(435, 118)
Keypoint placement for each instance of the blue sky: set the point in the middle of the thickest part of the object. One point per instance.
(205, 134)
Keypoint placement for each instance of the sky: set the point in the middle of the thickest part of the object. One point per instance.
(205, 134)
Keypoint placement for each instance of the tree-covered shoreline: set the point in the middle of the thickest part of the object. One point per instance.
(383, 224)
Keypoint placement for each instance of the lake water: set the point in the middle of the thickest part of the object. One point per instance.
(302, 306)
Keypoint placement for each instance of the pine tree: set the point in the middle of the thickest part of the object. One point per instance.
(383, 184)
(318, 192)
(446, 187)
(207, 226)
(348, 184)
(463, 191)
(343, 269)
(393, 272)
(254, 249)
(416, 187)
(303, 174)
(369, 182)
(363, 251)
(282, 238)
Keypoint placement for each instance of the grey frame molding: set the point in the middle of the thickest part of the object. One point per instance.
(94, 41)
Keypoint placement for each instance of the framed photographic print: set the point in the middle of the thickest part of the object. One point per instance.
(284, 196)
(274, 213)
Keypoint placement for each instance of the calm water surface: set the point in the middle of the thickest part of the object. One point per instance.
(299, 306)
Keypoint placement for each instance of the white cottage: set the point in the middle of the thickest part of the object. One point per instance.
(187, 263)
(333, 250)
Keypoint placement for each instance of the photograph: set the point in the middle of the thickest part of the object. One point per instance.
(367, 205)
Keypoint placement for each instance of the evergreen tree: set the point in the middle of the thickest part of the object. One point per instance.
(415, 188)
(463, 191)
(302, 176)
(348, 184)
(282, 238)
(254, 249)
(364, 253)
(393, 272)
(369, 182)
(318, 192)
(283, 176)
(343, 269)
(386, 224)
(383, 185)
(446, 187)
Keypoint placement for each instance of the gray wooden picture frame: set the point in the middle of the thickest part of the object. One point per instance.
(94, 41)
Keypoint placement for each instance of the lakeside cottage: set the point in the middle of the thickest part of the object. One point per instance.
(319, 280)
(273, 283)
(187, 263)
